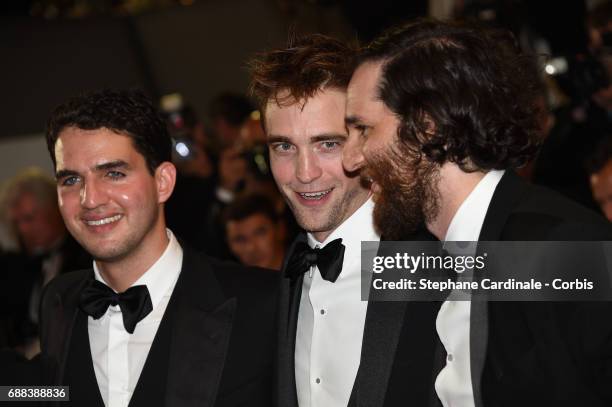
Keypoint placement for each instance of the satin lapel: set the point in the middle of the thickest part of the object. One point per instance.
(381, 334)
(294, 290)
(507, 193)
(291, 292)
(200, 336)
(62, 317)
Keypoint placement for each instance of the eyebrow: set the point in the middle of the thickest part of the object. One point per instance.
(111, 165)
(314, 139)
(328, 137)
(278, 139)
(65, 173)
(352, 120)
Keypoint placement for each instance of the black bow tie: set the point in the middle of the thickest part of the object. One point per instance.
(135, 302)
(328, 260)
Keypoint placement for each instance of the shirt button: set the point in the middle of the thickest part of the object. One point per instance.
(322, 312)
(449, 357)
(317, 381)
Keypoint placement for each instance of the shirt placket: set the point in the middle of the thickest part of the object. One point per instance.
(118, 369)
(317, 347)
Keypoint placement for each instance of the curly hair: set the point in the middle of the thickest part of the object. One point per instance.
(126, 112)
(463, 93)
(297, 72)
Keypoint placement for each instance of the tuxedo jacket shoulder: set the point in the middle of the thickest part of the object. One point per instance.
(222, 332)
(522, 211)
(541, 353)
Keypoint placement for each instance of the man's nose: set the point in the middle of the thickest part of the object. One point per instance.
(93, 194)
(308, 168)
(24, 227)
(352, 154)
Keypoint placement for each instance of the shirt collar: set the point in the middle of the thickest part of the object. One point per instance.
(162, 275)
(356, 228)
(467, 222)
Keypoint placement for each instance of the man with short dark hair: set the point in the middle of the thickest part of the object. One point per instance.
(439, 115)
(301, 91)
(254, 232)
(153, 323)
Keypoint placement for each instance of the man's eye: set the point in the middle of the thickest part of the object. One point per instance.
(361, 129)
(262, 231)
(239, 240)
(330, 145)
(282, 147)
(68, 181)
(115, 174)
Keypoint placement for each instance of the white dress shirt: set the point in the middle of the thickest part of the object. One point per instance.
(454, 382)
(118, 356)
(331, 320)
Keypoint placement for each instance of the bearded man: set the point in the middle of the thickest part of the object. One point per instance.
(439, 115)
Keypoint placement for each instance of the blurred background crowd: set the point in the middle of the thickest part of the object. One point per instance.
(190, 56)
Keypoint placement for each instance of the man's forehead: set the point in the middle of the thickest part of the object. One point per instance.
(92, 149)
(603, 176)
(251, 222)
(366, 77)
(363, 90)
(321, 113)
(25, 200)
(284, 98)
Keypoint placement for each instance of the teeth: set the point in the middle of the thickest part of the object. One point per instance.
(103, 221)
(314, 195)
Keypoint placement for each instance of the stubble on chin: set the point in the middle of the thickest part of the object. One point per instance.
(327, 218)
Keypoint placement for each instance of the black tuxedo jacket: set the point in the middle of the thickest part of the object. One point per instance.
(289, 304)
(540, 354)
(214, 347)
(385, 323)
(23, 273)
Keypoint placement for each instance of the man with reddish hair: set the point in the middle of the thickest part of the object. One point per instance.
(301, 91)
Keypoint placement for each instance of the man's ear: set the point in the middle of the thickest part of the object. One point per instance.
(430, 125)
(165, 177)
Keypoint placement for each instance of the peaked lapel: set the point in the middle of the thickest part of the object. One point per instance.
(289, 306)
(508, 192)
(60, 313)
(200, 335)
(381, 334)
(383, 326)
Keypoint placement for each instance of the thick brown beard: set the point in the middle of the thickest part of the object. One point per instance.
(409, 198)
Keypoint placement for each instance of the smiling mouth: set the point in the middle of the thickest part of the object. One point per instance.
(314, 196)
(104, 221)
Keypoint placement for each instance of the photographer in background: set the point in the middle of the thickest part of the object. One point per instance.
(581, 126)
(228, 112)
(213, 170)
(188, 207)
